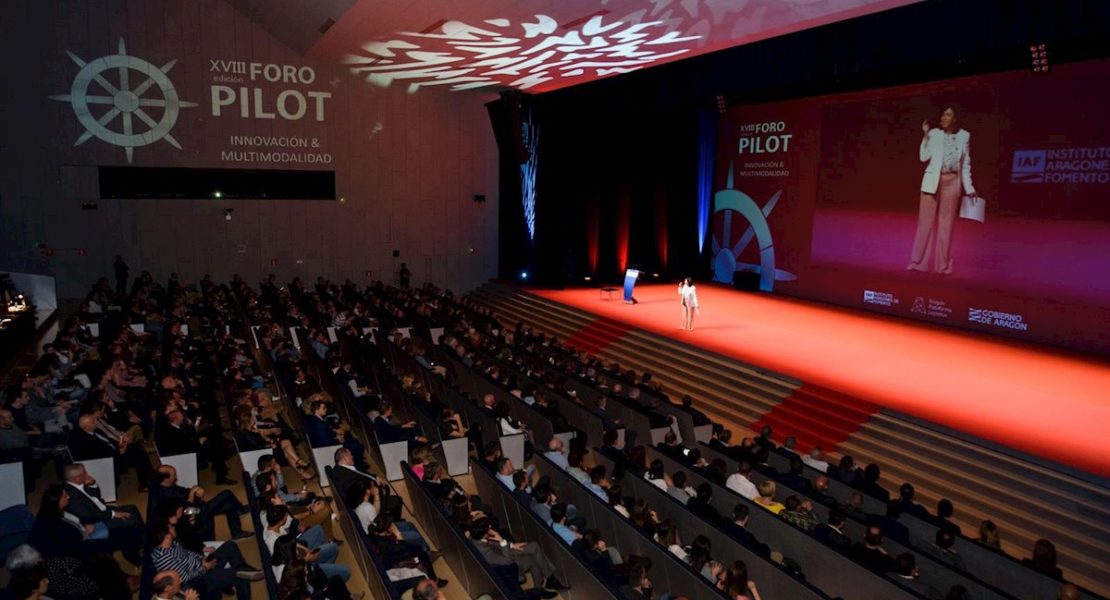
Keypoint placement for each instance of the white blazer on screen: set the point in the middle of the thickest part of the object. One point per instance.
(932, 152)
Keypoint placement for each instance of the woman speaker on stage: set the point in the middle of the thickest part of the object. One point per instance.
(689, 295)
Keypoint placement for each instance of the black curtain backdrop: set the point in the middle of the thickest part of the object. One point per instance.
(636, 134)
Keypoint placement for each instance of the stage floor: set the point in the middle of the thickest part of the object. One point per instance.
(1038, 400)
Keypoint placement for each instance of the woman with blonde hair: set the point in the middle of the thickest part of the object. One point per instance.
(766, 497)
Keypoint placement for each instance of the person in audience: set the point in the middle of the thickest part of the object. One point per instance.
(555, 453)
(943, 520)
(558, 524)
(890, 524)
(854, 507)
(846, 470)
(528, 557)
(831, 532)
(1044, 559)
(599, 483)
(324, 431)
(31, 583)
(735, 583)
(699, 557)
(601, 560)
(799, 513)
(789, 448)
(670, 446)
(125, 526)
(616, 500)
(871, 554)
(656, 476)
(388, 432)
(176, 436)
(678, 489)
(766, 498)
(279, 523)
(943, 549)
(667, 535)
(764, 439)
(816, 459)
(639, 586)
(869, 483)
(907, 505)
(719, 440)
(644, 518)
(222, 569)
(737, 529)
(314, 522)
(702, 505)
(795, 478)
(820, 491)
(425, 590)
(611, 449)
(905, 573)
(345, 473)
(224, 503)
(741, 483)
(167, 586)
(990, 537)
(87, 443)
(365, 501)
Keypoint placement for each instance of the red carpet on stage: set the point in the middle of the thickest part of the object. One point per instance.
(1037, 400)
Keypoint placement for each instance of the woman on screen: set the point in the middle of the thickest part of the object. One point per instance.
(947, 176)
(689, 296)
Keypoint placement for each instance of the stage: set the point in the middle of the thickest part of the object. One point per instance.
(1046, 402)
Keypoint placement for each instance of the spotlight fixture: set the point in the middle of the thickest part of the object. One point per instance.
(524, 275)
(1038, 57)
(227, 213)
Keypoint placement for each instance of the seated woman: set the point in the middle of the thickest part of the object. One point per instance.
(766, 497)
(735, 583)
(395, 551)
(300, 577)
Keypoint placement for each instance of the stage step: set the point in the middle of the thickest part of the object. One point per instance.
(817, 417)
(1027, 501)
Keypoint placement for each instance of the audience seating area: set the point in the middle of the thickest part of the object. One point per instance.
(462, 453)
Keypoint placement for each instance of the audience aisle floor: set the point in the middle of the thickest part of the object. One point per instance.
(1049, 403)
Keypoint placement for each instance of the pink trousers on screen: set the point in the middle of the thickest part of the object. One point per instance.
(935, 216)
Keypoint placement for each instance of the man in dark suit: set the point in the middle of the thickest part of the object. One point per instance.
(831, 533)
(87, 442)
(890, 525)
(821, 491)
(204, 514)
(125, 525)
(871, 553)
(528, 556)
(323, 432)
(176, 435)
(389, 432)
(869, 483)
(344, 474)
(738, 530)
(905, 573)
(670, 446)
(795, 479)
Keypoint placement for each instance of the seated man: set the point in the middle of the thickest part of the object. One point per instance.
(125, 525)
(222, 569)
(738, 530)
(87, 442)
(389, 432)
(346, 473)
(527, 556)
(225, 503)
(831, 533)
(324, 432)
(278, 523)
(167, 586)
(175, 435)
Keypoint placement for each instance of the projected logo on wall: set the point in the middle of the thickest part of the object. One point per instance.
(119, 100)
(730, 205)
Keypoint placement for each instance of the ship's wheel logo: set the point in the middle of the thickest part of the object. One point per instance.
(153, 102)
(730, 206)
